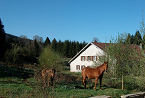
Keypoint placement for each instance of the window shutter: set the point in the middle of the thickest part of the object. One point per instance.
(81, 58)
(96, 58)
(84, 58)
(87, 58)
(92, 58)
(79, 67)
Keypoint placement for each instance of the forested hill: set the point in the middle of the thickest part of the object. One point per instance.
(33, 48)
(8, 36)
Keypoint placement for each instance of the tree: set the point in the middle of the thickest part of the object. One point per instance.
(47, 42)
(128, 39)
(54, 44)
(36, 48)
(77, 47)
(50, 59)
(2, 39)
(95, 39)
(143, 42)
(137, 38)
(14, 56)
(65, 48)
(38, 38)
(132, 39)
(128, 58)
(142, 26)
(59, 46)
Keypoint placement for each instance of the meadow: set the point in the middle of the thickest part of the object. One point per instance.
(27, 83)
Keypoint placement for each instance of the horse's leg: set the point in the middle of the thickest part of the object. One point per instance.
(84, 82)
(52, 82)
(100, 83)
(96, 79)
(44, 80)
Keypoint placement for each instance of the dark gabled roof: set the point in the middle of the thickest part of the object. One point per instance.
(101, 45)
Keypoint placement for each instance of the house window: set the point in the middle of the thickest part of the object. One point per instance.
(83, 66)
(77, 67)
(82, 58)
(94, 58)
(89, 58)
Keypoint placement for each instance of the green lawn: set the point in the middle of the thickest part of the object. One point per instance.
(22, 84)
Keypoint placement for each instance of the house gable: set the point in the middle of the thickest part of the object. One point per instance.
(85, 57)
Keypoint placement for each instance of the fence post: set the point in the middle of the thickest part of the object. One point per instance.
(122, 82)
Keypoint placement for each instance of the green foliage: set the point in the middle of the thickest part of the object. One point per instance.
(54, 44)
(14, 55)
(137, 38)
(49, 59)
(143, 42)
(129, 39)
(66, 48)
(47, 42)
(36, 48)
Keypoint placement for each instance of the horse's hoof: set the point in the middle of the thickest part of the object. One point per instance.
(94, 88)
(100, 89)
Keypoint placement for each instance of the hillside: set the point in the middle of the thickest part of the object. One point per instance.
(8, 36)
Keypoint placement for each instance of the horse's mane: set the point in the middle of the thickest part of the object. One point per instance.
(101, 65)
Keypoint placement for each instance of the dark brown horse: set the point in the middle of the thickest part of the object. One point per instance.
(94, 73)
(48, 76)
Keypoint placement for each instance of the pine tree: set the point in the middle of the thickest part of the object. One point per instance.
(77, 47)
(2, 39)
(137, 38)
(59, 46)
(66, 47)
(47, 42)
(54, 45)
(132, 39)
(128, 39)
(36, 48)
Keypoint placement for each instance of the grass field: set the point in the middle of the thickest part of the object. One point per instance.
(18, 83)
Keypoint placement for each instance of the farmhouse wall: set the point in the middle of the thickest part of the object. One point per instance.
(92, 50)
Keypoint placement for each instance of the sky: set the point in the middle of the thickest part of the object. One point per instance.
(74, 20)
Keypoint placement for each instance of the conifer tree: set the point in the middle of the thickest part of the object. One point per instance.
(66, 47)
(59, 46)
(128, 39)
(137, 38)
(2, 39)
(47, 42)
(54, 45)
(36, 48)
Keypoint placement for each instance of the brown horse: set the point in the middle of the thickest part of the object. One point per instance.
(94, 73)
(48, 76)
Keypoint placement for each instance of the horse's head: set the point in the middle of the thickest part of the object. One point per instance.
(106, 66)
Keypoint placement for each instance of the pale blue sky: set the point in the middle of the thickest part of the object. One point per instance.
(74, 20)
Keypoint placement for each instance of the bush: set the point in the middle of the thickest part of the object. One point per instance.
(50, 59)
(129, 62)
(14, 56)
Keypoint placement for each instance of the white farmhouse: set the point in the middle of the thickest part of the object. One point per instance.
(87, 56)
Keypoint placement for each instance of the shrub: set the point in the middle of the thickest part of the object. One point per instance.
(50, 59)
